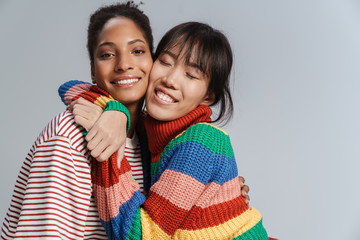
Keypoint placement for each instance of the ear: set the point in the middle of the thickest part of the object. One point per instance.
(208, 99)
(92, 73)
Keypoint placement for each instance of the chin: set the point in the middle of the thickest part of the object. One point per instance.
(158, 115)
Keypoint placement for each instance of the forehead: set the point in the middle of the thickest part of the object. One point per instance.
(189, 54)
(120, 28)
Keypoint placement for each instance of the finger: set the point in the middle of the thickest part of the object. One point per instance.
(98, 149)
(245, 188)
(92, 134)
(83, 108)
(82, 122)
(106, 154)
(242, 180)
(88, 105)
(93, 141)
(79, 111)
(71, 105)
(121, 154)
(247, 200)
(243, 193)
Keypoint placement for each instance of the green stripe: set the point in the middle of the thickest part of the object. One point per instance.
(154, 168)
(256, 232)
(135, 230)
(212, 138)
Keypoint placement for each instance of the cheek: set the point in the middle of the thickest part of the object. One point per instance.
(146, 65)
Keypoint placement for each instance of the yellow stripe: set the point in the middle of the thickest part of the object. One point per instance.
(205, 124)
(102, 101)
(150, 230)
(216, 128)
(227, 230)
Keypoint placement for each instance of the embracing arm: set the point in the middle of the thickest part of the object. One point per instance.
(106, 131)
(193, 181)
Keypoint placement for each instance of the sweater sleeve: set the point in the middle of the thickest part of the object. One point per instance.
(52, 193)
(69, 91)
(188, 170)
(74, 89)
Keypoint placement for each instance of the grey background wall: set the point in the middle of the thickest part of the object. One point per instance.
(296, 82)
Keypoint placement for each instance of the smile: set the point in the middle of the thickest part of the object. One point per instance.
(164, 97)
(126, 81)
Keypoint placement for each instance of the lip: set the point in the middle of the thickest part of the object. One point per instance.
(166, 93)
(126, 81)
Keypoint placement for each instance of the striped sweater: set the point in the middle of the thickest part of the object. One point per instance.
(195, 192)
(52, 198)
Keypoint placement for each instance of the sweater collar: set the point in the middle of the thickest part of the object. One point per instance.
(160, 133)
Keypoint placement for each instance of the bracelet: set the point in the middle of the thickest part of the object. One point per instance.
(116, 106)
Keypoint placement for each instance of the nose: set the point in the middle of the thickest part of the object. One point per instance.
(171, 78)
(124, 62)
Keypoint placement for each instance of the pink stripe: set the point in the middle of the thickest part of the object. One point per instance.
(75, 90)
(215, 193)
(113, 197)
(178, 188)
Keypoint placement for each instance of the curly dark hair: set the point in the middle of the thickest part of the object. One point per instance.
(102, 15)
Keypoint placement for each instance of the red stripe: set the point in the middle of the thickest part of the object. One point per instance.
(66, 146)
(160, 210)
(57, 204)
(61, 178)
(63, 185)
(53, 161)
(60, 194)
(106, 174)
(215, 215)
(63, 124)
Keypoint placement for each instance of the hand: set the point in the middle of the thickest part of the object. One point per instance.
(244, 190)
(85, 113)
(107, 135)
(120, 156)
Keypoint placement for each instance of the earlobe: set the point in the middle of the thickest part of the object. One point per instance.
(209, 99)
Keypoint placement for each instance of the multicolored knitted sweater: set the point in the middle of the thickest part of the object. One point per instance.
(195, 190)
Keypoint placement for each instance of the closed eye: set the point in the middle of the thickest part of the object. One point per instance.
(191, 76)
(164, 63)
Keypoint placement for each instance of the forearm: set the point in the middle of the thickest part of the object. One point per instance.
(118, 198)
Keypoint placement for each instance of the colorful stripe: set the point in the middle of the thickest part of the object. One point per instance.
(194, 194)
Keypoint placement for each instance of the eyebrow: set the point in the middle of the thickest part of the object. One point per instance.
(129, 43)
(171, 54)
(190, 64)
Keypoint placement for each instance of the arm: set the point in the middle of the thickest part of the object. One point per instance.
(53, 190)
(107, 133)
(195, 190)
(184, 182)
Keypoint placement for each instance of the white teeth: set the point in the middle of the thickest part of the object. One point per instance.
(164, 97)
(127, 81)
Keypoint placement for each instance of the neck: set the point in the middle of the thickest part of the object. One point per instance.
(162, 132)
(134, 111)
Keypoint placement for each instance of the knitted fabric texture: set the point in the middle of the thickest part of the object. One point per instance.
(195, 192)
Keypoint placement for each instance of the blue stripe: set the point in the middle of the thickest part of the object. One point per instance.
(66, 86)
(197, 161)
(119, 227)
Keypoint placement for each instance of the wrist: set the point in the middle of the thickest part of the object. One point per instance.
(117, 106)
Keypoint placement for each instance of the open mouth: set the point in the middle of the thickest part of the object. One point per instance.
(164, 97)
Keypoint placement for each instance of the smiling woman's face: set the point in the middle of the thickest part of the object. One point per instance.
(122, 61)
(176, 87)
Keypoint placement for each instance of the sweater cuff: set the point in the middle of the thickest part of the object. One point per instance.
(116, 106)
